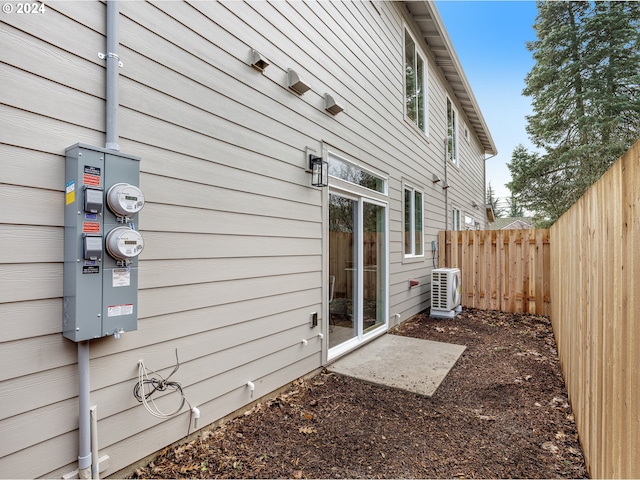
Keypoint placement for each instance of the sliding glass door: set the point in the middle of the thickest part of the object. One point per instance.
(357, 270)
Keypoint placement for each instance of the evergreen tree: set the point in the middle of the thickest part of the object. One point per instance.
(494, 201)
(538, 184)
(514, 208)
(585, 89)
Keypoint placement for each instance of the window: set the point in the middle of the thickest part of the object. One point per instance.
(415, 84)
(456, 219)
(340, 168)
(469, 223)
(413, 219)
(452, 133)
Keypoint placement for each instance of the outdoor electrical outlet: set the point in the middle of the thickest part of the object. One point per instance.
(314, 319)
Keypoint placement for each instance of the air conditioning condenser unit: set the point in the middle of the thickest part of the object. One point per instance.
(446, 292)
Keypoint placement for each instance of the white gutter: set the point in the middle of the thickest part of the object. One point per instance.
(429, 23)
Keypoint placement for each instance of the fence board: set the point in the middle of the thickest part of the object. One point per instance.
(595, 270)
(341, 258)
(504, 270)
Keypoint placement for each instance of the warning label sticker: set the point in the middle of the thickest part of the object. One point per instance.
(91, 180)
(91, 176)
(121, 277)
(70, 192)
(87, 269)
(119, 310)
(91, 227)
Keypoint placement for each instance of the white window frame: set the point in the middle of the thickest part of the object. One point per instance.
(355, 170)
(418, 55)
(412, 217)
(469, 222)
(453, 146)
(456, 219)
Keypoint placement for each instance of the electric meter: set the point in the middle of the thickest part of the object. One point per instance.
(125, 199)
(124, 243)
(102, 202)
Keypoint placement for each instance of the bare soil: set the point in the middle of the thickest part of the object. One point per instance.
(502, 412)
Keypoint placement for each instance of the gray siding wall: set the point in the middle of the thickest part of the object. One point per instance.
(232, 266)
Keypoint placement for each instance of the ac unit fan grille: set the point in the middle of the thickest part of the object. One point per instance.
(445, 289)
(439, 291)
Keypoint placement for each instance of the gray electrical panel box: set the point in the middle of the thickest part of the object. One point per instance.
(101, 243)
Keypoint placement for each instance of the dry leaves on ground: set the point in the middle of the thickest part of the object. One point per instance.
(502, 412)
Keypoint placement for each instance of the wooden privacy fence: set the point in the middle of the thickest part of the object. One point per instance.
(341, 263)
(589, 264)
(595, 280)
(505, 270)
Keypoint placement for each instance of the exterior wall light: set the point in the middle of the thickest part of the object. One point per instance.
(296, 83)
(319, 171)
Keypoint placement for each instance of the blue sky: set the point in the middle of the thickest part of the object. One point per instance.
(489, 38)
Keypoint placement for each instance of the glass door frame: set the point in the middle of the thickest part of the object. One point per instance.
(361, 196)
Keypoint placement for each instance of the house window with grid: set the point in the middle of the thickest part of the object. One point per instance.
(452, 133)
(413, 222)
(415, 83)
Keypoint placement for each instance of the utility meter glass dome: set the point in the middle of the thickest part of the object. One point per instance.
(124, 243)
(124, 199)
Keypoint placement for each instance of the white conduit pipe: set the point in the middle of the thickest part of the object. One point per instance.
(84, 420)
(111, 94)
(95, 464)
(113, 63)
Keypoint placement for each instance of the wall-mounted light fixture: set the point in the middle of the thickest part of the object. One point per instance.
(296, 83)
(445, 185)
(475, 205)
(331, 106)
(435, 178)
(257, 61)
(319, 171)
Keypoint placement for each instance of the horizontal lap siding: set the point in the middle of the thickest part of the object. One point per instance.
(51, 82)
(232, 266)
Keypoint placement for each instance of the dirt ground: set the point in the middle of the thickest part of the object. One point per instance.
(502, 412)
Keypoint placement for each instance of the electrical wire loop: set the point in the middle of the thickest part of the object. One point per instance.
(147, 386)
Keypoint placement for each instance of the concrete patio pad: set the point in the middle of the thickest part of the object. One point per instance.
(406, 363)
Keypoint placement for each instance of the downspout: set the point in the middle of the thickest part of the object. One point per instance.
(446, 190)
